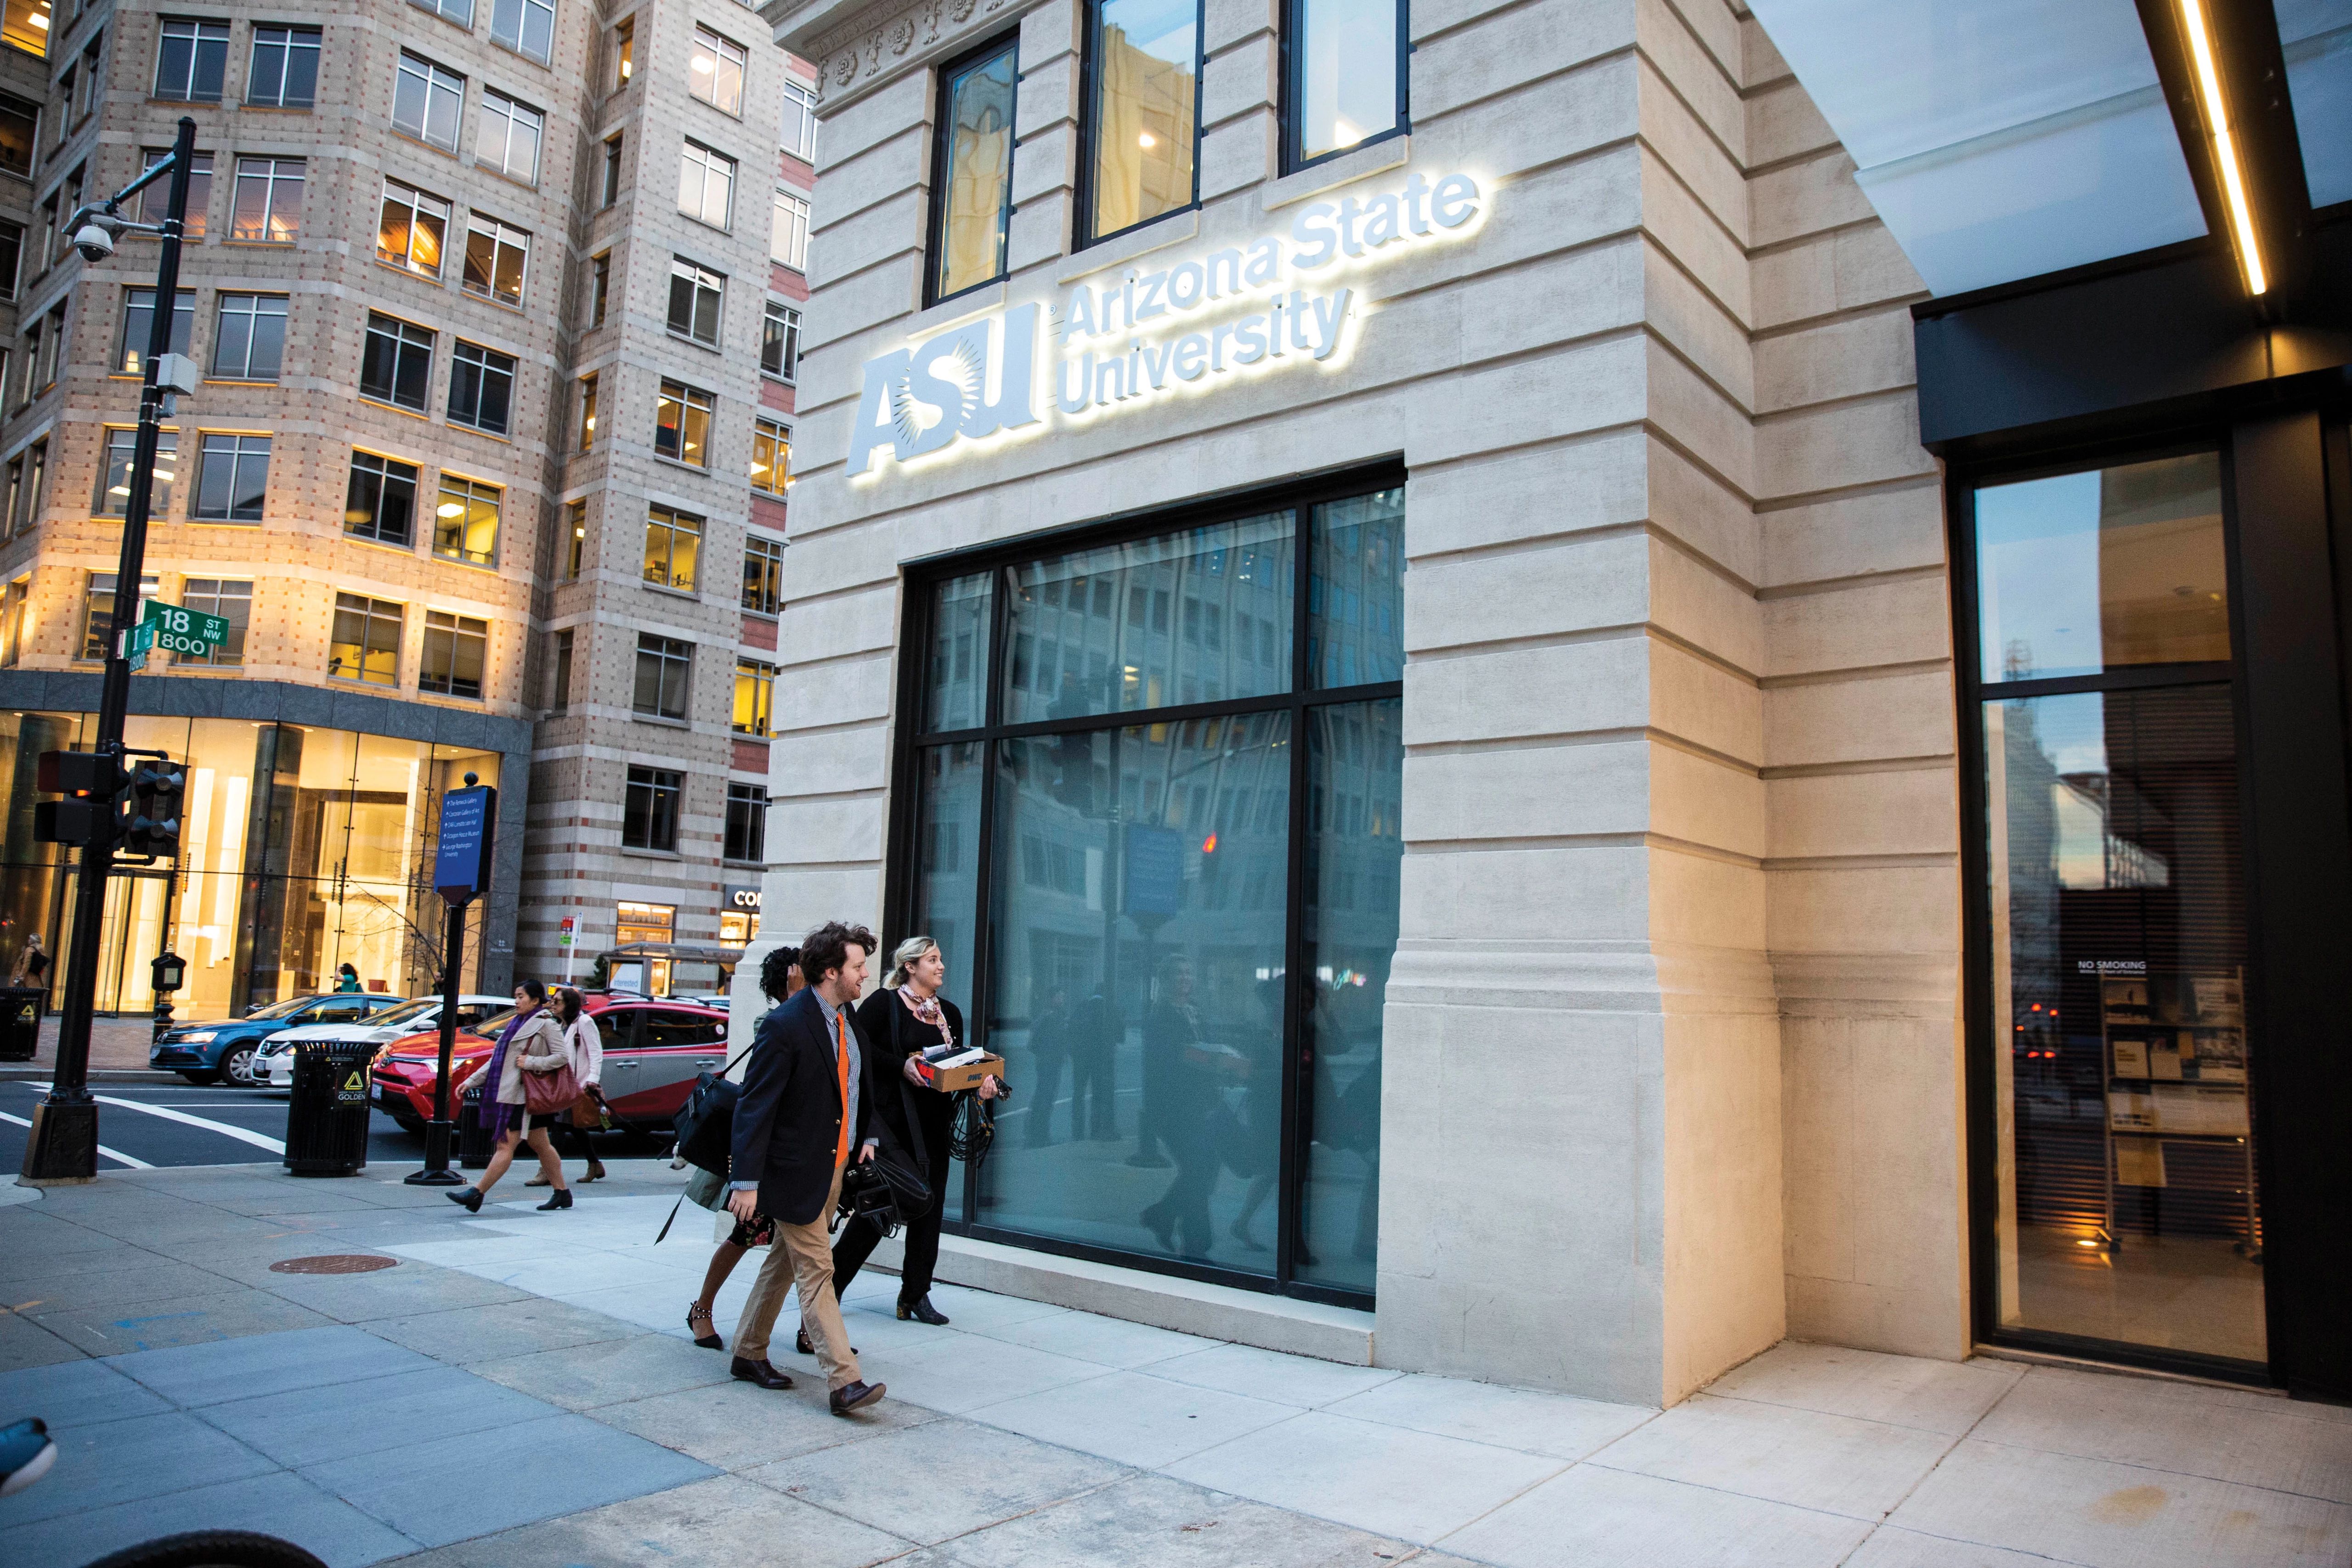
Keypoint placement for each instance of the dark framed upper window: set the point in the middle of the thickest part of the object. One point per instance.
(396, 362)
(763, 573)
(780, 342)
(190, 59)
(481, 388)
(379, 501)
(497, 255)
(747, 822)
(971, 193)
(285, 72)
(139, 323)
(232, 479)
(457, 648)
(229, 598)
(365, 642)
(698, 297)
(1140, 151)
(650, 809)
(248, 336)
(20, 126)
(114, 480)
(1193, 725)
(155, 201)
(665, 669)
(268, 206)
(427, 99)
(1343, 77)
(526, 27)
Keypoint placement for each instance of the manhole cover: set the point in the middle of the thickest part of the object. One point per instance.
(334, 1263)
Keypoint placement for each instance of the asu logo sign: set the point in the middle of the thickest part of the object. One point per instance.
(1148, 333)
(969, 382)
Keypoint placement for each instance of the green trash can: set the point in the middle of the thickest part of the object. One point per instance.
(327, 1115)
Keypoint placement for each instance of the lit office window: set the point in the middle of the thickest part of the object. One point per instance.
(456, 650)
(706, 185)
(155, 201)
(481, 388)
(25, 25)
(772, 451)
(1142, 133)
(231, 601)
(625, 51)
(248, 336)
(575, 538)
(466, 522)
(380, 500)
(496, 257)
(587, 411)
(413, 230)
(714, 71)
(114, 483)
(755, 696)
(971, 205)
(191, 57)
(285, 70)
(506, 137)
(764, 574)
(139, 325)
(682, 425)
(673, 546)
(268, 210)
(425, 99)
(365, 643)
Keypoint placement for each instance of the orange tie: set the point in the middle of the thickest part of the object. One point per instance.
(841, 1071)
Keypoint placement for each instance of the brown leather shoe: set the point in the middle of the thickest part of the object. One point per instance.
(852, 1397)
(761, 1371)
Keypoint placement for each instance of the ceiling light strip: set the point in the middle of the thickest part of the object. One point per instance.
(2225, 145)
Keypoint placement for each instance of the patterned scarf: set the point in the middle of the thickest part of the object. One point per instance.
(490, 1111)
(928, 1011)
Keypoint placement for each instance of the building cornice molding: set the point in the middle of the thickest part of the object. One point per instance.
(859, 48)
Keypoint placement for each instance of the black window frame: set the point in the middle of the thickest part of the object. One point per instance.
(371, 474)
(211, 595)
(649, 808)
(935, 225)
(205, 30)
(405, 337)
(699, 281)
(373, 618)
(780, 324)
(290, 40)
(1290, 95)
(254, 310)
(904, 868)
(745, 842)
(673, 673)
(239, 452)
(475, 372)
(448, 633)
(1089, 84)
(763, 586)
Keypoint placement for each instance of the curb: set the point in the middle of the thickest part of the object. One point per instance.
(35, 1073)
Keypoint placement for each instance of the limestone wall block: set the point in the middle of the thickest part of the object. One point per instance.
(1898, 811)
(1865, 716)
(1843, 358)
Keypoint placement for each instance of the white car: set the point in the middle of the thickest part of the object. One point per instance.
(276, 1061)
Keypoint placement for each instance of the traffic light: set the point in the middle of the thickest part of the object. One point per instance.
(90, 782)
(154, 826)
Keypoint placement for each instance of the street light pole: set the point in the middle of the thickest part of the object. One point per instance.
(62, 1145)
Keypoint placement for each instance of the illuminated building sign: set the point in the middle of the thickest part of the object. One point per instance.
(1146, 335)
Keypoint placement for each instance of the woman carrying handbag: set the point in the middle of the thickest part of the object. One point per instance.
(587, 1113)
(531, 1083)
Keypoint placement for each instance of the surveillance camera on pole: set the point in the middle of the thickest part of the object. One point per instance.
(95, 240)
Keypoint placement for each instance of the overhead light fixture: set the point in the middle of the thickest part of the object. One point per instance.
(2225, 144)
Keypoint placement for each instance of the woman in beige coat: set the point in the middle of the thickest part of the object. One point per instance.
(531, 1042)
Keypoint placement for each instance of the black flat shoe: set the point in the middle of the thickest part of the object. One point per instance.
(921, 1310)
(562, 1200)
(800, 1343)
(761, 1371)
(852, 1397)
(467, 1198)
(699, 1324)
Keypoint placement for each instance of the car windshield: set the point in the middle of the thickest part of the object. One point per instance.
(494, 1023)
(282, 1010)
(405, 1011)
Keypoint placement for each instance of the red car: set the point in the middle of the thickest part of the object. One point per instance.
(654, 1051)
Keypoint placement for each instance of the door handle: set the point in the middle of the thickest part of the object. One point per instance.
(706, 1061)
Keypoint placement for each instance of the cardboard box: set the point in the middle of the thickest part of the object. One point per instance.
(963, 1075)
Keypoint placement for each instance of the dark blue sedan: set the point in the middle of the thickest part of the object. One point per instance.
(204, 1052)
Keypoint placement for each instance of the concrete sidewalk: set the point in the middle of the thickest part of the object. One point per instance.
(519, 1392)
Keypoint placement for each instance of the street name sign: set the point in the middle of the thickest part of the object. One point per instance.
(174, 630)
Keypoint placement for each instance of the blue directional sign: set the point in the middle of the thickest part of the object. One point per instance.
(469, 833)
(1155, 871)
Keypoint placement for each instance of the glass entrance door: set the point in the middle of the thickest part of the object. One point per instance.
(2127, 1211)
(138, 910)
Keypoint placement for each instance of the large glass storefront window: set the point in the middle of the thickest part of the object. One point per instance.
(302, 849)
(1155, 831)
(2127, 1210)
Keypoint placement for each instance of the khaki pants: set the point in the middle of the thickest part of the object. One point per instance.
(803, 1254)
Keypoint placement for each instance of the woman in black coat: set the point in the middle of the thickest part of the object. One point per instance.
(900, 1022)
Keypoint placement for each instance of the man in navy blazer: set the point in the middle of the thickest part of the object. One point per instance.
(806, 1105)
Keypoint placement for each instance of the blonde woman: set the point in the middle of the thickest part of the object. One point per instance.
(906, 1018)
(532, 1041)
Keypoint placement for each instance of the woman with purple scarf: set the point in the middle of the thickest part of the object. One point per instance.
(531, 1042)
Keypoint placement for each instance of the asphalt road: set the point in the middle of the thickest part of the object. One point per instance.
(201, 1130)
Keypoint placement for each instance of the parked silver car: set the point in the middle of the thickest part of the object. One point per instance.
(277, 1061)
